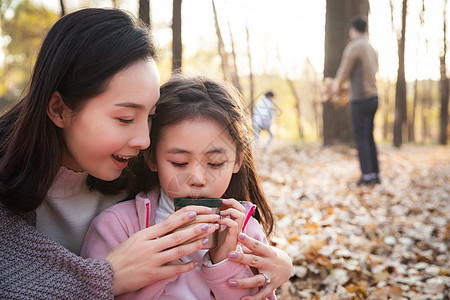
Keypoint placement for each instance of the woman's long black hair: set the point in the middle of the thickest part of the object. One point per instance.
(80, 54)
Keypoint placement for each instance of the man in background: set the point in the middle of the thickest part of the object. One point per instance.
(360, 64)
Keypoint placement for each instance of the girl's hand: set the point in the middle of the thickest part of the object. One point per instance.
(273, 262)
(142, 259)
(233, 218)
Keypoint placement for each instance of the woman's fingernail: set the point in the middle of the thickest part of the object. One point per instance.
(232, 283)
(233, 254)
(205, 227)
(205, 241)
(241, 236)
(192, 214)
(196, 263)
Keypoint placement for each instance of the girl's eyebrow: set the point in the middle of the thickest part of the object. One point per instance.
(215, 150)
(176, 150)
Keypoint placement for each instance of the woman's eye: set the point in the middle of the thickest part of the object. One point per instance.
(178, 165)
(126, 121)
(216, 165)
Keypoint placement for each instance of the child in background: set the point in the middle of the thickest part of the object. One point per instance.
(200, 148)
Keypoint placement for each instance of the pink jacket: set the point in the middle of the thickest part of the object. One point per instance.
(120, 221)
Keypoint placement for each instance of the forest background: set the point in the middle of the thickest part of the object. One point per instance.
(287, 46)
(385, 242)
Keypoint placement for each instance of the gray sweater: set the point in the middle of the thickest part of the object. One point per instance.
(33, 266)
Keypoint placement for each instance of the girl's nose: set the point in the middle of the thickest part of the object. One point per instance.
(198, 176)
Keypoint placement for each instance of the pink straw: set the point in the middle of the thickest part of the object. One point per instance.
(247, 217)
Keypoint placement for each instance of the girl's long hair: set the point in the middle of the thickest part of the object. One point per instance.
(188, 98)
(79, 56)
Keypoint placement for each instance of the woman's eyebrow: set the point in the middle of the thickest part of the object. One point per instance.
(130, 105)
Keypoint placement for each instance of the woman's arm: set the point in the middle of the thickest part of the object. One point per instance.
(273, 262)
(34, 266)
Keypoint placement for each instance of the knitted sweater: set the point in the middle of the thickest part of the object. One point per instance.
(33, 266)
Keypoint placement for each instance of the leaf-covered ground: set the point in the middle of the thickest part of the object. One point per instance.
(389, 241)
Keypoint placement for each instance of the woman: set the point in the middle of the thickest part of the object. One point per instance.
(86, 114)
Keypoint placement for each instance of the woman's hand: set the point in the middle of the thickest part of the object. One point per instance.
(233, 218)
(143, 258)
(273, 262)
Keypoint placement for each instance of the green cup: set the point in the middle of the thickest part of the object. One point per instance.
(214, 203)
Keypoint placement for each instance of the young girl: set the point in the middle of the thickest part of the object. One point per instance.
(200, 148)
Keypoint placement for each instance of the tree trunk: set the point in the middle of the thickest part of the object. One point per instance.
(221, 47)
(336, 120)
(412, 118)
(426, 100)
(386, 110)
(294, 93)
(297, 107)
(63, 10)
(234, 73)
(176, 42)
(144, 12)
(444, 87)
(400, 126)
(250, 74)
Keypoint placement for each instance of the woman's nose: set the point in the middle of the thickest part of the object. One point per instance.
(141, 138)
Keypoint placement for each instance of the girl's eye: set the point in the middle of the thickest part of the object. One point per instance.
(126, 121)
(178, 165)
(216, 166)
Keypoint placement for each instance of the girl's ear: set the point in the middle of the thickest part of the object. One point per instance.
(151, 161)
(56, 108)
(237, 165)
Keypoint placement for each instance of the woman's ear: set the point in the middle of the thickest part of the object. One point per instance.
(56, 108)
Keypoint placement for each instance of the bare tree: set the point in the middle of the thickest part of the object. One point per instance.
(444, 86)
(291, 85)
(177, 48)
(412, 116)
(234, 73)
(426, 106)
(63, 10)
(336, 119)
(221, 47)
(400, 126)
(250, 68)
(385, 109)
(144, 12)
